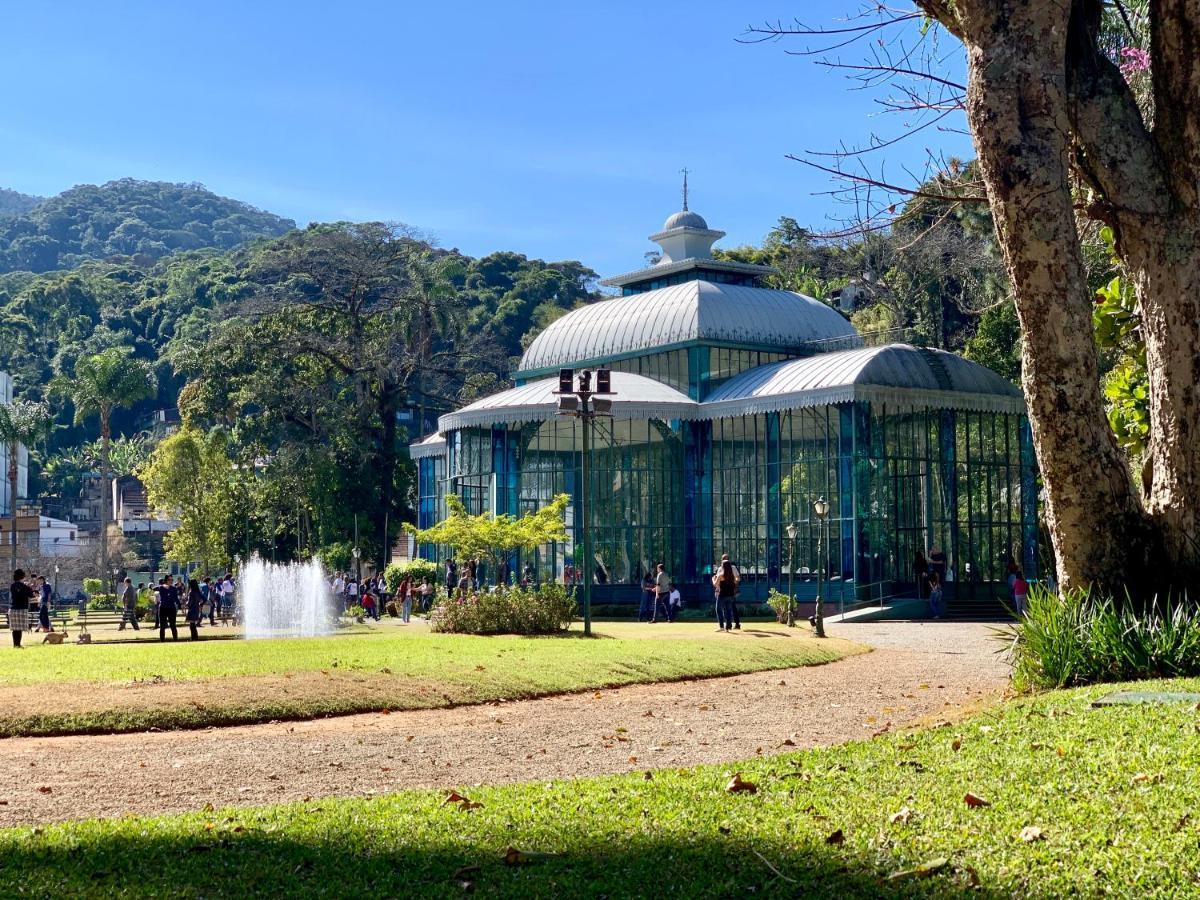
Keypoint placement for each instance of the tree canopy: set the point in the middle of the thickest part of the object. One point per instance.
(147, 219)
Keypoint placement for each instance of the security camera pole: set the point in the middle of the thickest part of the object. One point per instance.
(585, 404)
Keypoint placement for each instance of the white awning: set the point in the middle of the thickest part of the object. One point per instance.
(898, 375)
(634, 397)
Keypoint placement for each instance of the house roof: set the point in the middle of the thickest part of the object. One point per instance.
(694, 311)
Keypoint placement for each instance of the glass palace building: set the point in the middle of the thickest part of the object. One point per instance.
(735, 407)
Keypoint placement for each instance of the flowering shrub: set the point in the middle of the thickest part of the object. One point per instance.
(541, 610)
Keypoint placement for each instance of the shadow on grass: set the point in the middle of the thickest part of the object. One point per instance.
(224, 862)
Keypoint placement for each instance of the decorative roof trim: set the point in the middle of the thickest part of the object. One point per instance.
(434, 445)
(893, 398)
(661, 270)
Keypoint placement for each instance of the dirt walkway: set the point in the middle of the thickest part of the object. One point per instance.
(918, 670)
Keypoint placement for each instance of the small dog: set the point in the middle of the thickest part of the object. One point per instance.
(54, 637)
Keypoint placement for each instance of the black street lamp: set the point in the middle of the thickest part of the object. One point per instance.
(791, 608)
(584, 404)
(821, 509)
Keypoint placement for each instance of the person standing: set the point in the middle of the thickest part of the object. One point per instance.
(736, 613)
(128, 606)
(20, 594)
(935, 594)
(921, 573)
(451, 575)
(662, 590)
(647, 607)
(168, 610)
(44, 593)
(674, 603)
(195, 601)
(726, 584)
(1020, 590)
(406, 598)
(426, 595)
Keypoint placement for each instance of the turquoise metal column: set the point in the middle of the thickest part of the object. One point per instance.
(1029, 502)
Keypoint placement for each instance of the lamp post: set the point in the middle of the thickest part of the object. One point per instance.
(791, 609)
(585, 404)
(821, 509)
(56, 581)
(357, 554)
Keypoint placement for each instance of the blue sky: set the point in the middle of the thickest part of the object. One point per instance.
(553, 129)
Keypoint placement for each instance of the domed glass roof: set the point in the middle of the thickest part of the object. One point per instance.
(694, 311)
(685, 219)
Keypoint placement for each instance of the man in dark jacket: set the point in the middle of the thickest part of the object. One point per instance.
(168, 610)
(128, 606)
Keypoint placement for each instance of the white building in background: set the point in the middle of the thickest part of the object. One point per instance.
(6, 396)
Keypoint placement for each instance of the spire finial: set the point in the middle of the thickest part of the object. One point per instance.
(684, 170)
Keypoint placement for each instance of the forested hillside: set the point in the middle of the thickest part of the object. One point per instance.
(143, 219)
(13, 203)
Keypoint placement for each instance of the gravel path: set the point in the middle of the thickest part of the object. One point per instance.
(917, 670)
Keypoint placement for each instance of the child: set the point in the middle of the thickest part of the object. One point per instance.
(935, 594)
(1020, 591)
(368, 604)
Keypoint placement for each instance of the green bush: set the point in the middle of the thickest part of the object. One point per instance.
(92, 586)
(543, 610)
(778, 601)
(356, 612)
(417, 569)
(1081, 638)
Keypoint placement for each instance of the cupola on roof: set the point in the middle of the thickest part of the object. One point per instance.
(685, 218)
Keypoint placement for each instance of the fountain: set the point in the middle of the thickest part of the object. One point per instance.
(284, 600)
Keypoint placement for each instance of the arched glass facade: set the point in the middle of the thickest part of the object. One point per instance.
(915, 451)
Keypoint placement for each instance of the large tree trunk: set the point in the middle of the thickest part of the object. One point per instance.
(1167, 265)
(1017, 108)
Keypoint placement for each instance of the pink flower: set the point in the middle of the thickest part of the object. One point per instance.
(1134, 60)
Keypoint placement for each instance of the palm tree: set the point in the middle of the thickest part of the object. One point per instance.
(103, 382)
(21, 422)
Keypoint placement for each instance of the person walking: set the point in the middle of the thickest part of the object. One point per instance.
(195, 602)
(19, 594)
(662, 590)
(426, 595)
(129, 600)
(726, 584)
(168, 610)
(935, 594)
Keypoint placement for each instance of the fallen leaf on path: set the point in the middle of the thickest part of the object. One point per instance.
(45, 789)
(901, 818)
(974, 802)
(1144, 778)
(737, 785)
(924, 870)
(788, 742)
(633, 759)
(1031, 833)
(648, 714)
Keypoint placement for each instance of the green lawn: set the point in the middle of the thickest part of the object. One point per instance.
(1114, 792)
(134, 686)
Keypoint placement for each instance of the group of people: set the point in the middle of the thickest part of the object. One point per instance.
(22, 594)
(372, 594)
(930, 574)
(661, 599)
(211, 598)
